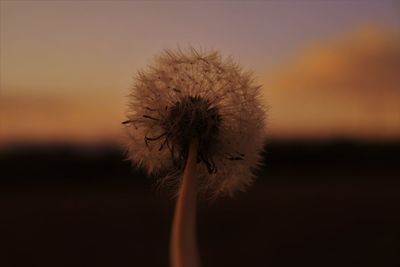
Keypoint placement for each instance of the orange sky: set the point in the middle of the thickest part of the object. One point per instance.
(345, 86)
(328, 69)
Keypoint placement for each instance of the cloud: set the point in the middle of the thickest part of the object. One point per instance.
(28, 116)
(348, 86)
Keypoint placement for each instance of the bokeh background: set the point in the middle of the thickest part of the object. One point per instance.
(327, 195)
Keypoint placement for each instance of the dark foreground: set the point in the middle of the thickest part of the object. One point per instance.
(313, 205)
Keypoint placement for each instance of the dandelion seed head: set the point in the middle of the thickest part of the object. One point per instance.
(187, 95)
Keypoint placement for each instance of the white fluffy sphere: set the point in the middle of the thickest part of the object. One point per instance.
(185, 95)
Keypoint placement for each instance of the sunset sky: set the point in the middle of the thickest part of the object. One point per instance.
(329, 69)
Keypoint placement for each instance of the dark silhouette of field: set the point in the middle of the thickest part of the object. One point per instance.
(314, 204)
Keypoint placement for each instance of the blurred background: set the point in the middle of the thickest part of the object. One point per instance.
(327, 195)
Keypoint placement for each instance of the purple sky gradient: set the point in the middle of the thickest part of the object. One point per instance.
(90, 49)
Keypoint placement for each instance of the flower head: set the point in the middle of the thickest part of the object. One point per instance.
(185, 96)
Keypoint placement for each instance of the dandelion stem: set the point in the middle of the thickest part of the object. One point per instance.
(183, 246)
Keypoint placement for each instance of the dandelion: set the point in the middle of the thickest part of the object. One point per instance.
(195, 120)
